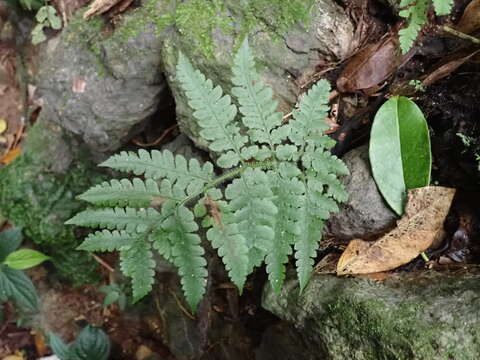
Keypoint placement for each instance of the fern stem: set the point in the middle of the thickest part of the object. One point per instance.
(267, 164)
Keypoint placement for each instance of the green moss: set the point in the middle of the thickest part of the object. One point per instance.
(39, 199)
(196, 20)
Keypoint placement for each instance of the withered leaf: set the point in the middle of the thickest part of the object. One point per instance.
(99, 7)
(370, 66)
(470, 20)
(422, 222)
(446, 69)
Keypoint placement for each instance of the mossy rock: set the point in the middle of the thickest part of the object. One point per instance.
(37, 193)
(425, 315)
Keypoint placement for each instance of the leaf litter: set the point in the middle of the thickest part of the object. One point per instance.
(418, 229)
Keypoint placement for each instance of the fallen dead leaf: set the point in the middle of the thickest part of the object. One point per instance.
(99, 7)
(446, 69)
(41, 347)
(371, 66)
(11, 155)
(416, 231)
(470, 20)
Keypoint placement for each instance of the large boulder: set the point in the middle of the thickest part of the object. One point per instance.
(289, 41)
(98, 86)
(425, 315)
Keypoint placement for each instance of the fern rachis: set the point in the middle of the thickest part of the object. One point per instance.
(279, 185)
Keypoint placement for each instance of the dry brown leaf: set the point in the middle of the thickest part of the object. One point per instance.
(11, 155)
(99, 7)
(371, 66)
(446, 69)
(422, 222)
(470, 20)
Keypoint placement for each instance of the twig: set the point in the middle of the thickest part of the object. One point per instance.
(180, 305)
(461, 35)
(103, 263)
(158, 141)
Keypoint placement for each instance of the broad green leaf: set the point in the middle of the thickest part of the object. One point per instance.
(10, 240)
(17, 287)
(91, 344)
(59, 348)
(25, 258)
(400, 153)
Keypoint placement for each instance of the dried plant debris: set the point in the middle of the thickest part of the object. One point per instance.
(416, 231)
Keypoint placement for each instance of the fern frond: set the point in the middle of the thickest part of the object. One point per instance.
(107, 241)
(187, 254)
(128, 219)
(415, 11)
(255, 99)
(443, 7)
(124, 192)
(288, 193)
(164, 165)
(251, 202)
(306, 243)
(136, 261)
(232, 248)
(308, 125)
(215, 113)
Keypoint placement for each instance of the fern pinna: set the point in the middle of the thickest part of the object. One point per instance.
(281, 185)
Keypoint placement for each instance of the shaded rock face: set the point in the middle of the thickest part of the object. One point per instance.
(101, 90)
(365, 215)
(425, 315)
(287, 58)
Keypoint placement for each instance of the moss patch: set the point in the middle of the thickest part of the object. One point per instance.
(37, 197)
(196, 20)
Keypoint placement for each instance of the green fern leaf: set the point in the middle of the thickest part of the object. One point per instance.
(232, 248)
(159, 165)
(215, 113)
(107, 241)
(128, 219)
(187, 254)
(443, 7)
(288, 193)
(306, 243)
(308, 125)
(251, 202)
(124, 192)
(136, 262)
(416, 15)
(256, 104)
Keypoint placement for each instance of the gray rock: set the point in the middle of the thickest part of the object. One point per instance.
(286, 58)
(118, 83)
(411, 316)
(365, 215)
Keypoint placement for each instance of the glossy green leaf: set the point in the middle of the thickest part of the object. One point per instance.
(24, 259)
(400, 153)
